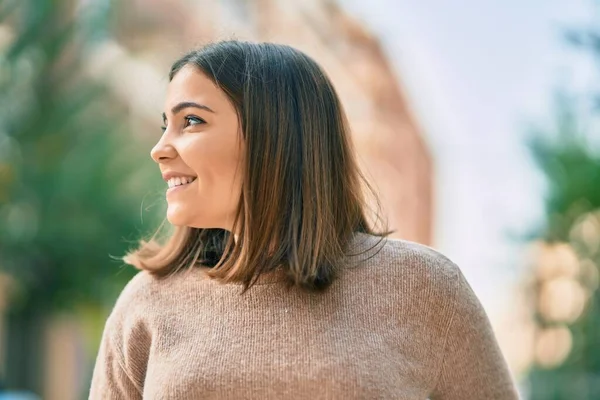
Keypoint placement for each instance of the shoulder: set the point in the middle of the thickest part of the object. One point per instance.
(427, 278)
(138, 292)
(147, 298)
(406, 263)
(134, 306)
(418, 255)
(425, 284)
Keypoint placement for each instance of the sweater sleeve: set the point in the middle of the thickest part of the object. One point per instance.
(473, 366)
(120, 367)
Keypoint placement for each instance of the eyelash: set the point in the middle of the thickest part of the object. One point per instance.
(188, 118)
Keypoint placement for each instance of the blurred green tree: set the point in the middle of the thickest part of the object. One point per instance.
(569, 157)
(71, 178)
(572, 170)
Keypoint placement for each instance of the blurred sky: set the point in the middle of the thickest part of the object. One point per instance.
(477, 73)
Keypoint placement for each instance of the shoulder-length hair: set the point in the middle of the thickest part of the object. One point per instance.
(302, 198)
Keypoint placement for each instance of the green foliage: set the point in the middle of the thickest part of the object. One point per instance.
(570, 162)
(69, 198)
(571, 166)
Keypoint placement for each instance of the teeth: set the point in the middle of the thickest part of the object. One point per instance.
(179, 181)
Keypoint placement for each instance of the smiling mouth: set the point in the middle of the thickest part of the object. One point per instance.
(175, 182)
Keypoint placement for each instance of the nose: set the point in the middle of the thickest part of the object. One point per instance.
(163, 151)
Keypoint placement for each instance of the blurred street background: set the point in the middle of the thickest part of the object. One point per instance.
(478, 122)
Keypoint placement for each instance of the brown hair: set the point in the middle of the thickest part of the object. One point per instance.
(302, 192)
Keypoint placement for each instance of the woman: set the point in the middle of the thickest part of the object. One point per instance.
(273, 284)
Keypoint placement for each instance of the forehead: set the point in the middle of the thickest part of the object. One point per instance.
(191, 84)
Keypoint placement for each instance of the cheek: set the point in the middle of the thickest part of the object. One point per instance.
(217, 164)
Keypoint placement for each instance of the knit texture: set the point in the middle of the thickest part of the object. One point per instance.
(401, 322)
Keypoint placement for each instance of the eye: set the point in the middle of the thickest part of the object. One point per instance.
(163, 128)
(192, 120)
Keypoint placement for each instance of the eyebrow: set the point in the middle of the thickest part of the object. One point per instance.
(187, 104)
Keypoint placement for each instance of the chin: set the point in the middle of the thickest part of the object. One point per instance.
(176, 221)
(177, 217)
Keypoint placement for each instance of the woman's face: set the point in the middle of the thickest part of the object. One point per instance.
(200, 152)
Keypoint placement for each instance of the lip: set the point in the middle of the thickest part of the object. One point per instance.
(173, 174)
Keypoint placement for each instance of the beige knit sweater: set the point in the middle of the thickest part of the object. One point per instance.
(404, 324)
